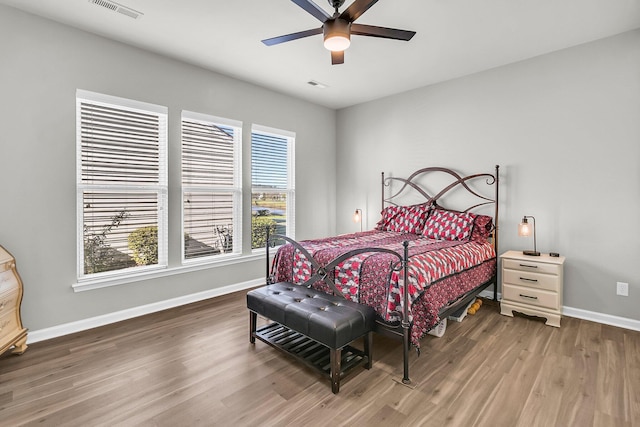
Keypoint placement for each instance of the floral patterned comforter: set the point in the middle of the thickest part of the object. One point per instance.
(439, 272)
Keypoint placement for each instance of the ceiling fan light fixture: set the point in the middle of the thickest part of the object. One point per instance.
(337, 35)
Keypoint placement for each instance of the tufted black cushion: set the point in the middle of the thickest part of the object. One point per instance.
(328, 319)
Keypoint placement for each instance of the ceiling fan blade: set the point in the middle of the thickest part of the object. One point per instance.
(313, 9)
(356, 9)
(337, 57)
(382, 32)
(292, 36)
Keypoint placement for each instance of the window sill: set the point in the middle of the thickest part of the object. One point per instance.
(87, 285)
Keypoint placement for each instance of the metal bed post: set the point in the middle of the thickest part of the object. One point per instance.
(268, 275)
(382, 192)
(495, 238)
(406, 342)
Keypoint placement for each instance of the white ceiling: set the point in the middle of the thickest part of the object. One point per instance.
(454, 38)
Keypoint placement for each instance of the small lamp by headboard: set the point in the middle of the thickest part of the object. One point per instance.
(524, 229)
(357, 217)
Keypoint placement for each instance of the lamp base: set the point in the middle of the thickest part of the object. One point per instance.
(531, 253)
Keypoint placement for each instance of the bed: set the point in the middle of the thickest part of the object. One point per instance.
(448, 255)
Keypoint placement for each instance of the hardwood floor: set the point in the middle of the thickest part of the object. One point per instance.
(193, 365)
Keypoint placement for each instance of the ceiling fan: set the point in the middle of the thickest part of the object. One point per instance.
(337, 29)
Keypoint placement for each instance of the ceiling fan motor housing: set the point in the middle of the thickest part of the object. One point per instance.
(337, 34)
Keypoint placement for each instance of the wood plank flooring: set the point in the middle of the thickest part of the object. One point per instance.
(193, 366)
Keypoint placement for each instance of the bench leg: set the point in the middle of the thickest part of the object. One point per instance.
(368, 349)
(253, 321)
(336, 360)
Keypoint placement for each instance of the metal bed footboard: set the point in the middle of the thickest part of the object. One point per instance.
(323, 273)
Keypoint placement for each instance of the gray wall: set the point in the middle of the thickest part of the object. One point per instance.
(43, 63)
(565, 128)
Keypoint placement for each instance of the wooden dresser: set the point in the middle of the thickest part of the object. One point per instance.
(12, 334)
(532, 285)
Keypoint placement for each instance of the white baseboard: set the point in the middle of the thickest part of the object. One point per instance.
(606, 319)
(130, 313)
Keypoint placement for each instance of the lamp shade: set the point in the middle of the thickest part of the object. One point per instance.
(357, 216)
(524, 229)
(337, 35)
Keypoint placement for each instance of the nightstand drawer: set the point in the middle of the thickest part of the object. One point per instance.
(530, 296)
(532, 266)
(533, 280)
(8, 281)
(9, 323)
(8, 301)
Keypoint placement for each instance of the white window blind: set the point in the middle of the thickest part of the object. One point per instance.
(211, 186)
(122, 185)
(272, 182)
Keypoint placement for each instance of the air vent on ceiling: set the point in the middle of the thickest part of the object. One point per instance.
(317, 84)
(117, 7)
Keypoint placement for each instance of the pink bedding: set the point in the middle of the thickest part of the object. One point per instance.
(439, 272)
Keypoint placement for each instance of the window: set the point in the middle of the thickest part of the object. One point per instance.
(272, 184)
(121, 185)
(211, 186)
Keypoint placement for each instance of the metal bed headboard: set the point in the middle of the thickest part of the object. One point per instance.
(413, 183)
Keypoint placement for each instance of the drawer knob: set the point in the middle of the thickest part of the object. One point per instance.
(528, 296)
(528, 266)
(528, 280)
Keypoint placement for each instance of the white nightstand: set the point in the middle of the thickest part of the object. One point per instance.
(532, 285)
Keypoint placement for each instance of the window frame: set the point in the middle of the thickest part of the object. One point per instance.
(160, 188)
(290, 190)
(236, 190)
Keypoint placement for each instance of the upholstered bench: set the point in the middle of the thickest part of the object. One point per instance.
(313, 326)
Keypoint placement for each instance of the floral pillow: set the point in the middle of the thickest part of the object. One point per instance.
(482, 227)
(449, 225)
(387, 215)
(404, 219)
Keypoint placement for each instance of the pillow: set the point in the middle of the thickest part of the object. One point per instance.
(387, 215)
(404, 219)
(482, 227)
(449, 225)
